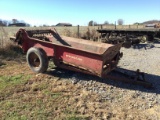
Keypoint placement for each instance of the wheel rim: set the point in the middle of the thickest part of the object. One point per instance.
(34, 60)
(144, 39)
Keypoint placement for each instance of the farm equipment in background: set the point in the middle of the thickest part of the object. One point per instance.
(128, 36)
(75, 54)
(156, 25)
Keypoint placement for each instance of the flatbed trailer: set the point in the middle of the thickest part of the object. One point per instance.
(133, 36)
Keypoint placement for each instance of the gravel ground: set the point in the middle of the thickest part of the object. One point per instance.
(144, 57)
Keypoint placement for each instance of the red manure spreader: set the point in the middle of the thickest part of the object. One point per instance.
(69, 53)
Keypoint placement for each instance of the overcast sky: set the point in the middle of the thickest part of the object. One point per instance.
(79, 12)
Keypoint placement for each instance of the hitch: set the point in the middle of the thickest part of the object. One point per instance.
(137, 79)
(12, 38)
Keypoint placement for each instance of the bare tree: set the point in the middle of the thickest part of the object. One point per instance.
(44, 25)
(14, 21)
(90, 23)
(120, 21)
(28, 25)
(3, 22)
(95, 23)
(106, 23)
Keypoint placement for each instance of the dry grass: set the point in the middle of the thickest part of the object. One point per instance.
(3, 37)
(90, 34)
(25, 95)
(10, 51)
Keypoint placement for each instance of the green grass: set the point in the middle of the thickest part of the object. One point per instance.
(8, 87)
(10, 81)
(24, 97)
(39, 87)
(37, 103)
(52, 94)
(11, 84)
(77, 118)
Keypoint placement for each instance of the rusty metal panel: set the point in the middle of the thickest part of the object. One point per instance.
(85, 55)
(80, 59)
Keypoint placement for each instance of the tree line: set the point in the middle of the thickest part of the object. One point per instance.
(93, 23)
(13, 22)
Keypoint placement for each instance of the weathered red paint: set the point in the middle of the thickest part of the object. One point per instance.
(74, 54)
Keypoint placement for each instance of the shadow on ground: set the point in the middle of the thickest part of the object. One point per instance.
(66, 74)
(148, 45)
(157, 40)
(143, 46)
(2, 63)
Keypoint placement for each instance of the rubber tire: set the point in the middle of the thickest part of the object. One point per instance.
(150, 38)
(42, 59)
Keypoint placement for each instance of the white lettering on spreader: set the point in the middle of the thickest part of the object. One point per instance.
(74, 57)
